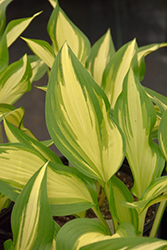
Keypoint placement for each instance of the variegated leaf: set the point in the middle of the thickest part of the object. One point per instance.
(153, 194)
(142, 53)
(25, 137)
(42, 49)
(31, 220)
(15, 117)
(3, 6)
(160, 100)
(116, 71)
(136, 116)
(69, 191)
(128, 243)
(162, 134)
(15, 81)
(99, 56)
(62, 30)
(117, 192)
(77, 115)
(39, 68)
(16, 27)
(53, 3)
(81, 232)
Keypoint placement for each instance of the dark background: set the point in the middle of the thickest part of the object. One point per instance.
(144, 19)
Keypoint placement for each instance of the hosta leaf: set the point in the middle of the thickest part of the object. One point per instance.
(5, 109)
(162, 134)
(99, 56)
(39, 68)
(69, 191)
(143, 52)
(17, 165)
(116, 71)
(160, 100)
(15, 117)
(19, 135)
(53, 3)
(3, 6)
(152, 195)
(4, 55)
(15, 80)
(136, 116)
(81, 232)
(62, 30)
(31, 220)
(42, 49)
(16, 27)
(128, 243)
(77, 115)
(116, 191)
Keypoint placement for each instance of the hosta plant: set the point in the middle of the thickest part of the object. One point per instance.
(97, 113)
(16, 78)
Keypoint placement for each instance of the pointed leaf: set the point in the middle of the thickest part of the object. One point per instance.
(3, 6)
(143, 52)
(16, 27)
(77, 115)
(31, 220)
(136, 116)
(160, 100)
(42, 49)
(99, 56)
(116, 71)
(117, 192)
(20, 135)
(62, 30)
(15, 81)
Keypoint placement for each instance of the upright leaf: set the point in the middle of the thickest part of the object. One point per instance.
(77, 115)
(116, 71)
(31, 220)
(42, 49)
(162, 134)
(136, 116)
(62, 30)
(16, 27)
(15, 81)
(99, 56)
(4, 55)
(117, 192)
(3, 6)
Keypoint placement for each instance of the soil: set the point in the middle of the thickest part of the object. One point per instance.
(128, 181)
